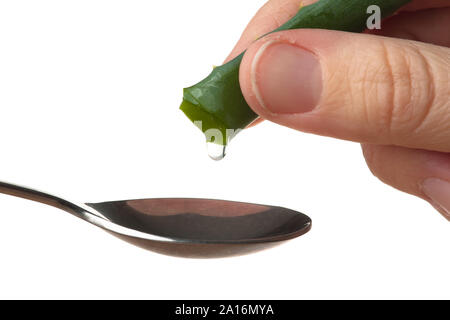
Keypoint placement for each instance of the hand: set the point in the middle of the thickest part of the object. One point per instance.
(381, 89)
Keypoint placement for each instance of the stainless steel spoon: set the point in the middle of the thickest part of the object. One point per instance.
(196, 228)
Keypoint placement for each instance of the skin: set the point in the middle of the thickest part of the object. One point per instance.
(386, 89)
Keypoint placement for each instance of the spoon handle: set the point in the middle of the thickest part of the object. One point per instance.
(42, 197)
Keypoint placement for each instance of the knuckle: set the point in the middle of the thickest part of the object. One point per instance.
(399, 91)
(376, 158)
(372, 161)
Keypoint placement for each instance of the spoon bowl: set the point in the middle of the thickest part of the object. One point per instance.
(183, 227)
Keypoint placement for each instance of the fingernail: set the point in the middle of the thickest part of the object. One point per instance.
(286, 79)
(439, 192)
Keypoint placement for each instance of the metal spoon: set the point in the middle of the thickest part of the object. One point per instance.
(195, 228)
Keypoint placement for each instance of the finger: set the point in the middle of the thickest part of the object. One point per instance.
(276, 12)
(254, 123)
(351, 86)
(271, 15)
(425, 4)
(425, 174)
(431, 26)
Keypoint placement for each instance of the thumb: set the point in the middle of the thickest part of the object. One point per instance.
(357, 87)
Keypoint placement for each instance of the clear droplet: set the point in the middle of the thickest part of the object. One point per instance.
(215, 151)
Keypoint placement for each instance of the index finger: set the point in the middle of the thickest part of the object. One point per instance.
(276, 12)
(426, 4)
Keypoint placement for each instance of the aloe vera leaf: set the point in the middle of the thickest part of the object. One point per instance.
(217, 102)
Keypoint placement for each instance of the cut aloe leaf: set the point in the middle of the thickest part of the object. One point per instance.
(216, 104)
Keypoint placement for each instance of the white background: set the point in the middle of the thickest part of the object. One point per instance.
(89, 96)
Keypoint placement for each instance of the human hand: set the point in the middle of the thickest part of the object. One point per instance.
(381, 89)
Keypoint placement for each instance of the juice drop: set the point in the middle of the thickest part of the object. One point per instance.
(215, 151)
